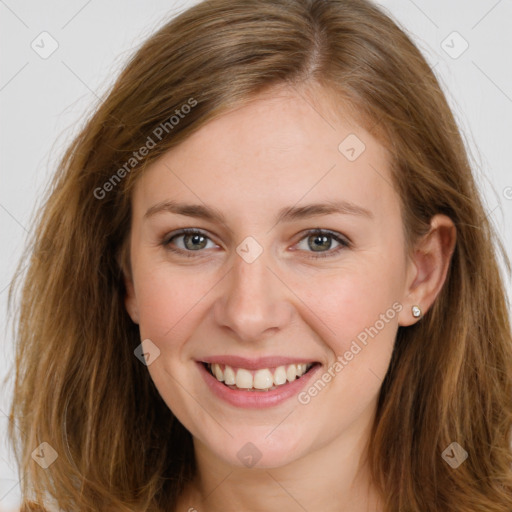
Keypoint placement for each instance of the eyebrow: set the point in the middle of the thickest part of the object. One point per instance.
(287, 214)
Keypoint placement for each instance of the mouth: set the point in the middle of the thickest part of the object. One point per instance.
(258, 380)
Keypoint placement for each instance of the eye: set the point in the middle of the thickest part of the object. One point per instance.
(320, 242)
(192, 240)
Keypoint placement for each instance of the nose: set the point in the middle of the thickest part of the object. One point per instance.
(253, 303)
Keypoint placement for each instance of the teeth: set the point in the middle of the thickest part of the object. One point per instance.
(218, 372)
(263, 379)
(280, 375)
(291, 372)
(229, 375)
(243, 379)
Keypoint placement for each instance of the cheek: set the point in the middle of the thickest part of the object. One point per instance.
(170, 306)
(357, 315)
(358, 322)
(351, 301)
(168, 298)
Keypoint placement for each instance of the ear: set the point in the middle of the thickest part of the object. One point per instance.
(130, 300)
(428, 267)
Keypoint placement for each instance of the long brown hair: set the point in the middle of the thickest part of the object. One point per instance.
(78, 385)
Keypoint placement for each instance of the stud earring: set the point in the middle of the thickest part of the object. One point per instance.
(416, 311)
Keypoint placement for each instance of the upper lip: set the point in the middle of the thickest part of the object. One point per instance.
(255, 363)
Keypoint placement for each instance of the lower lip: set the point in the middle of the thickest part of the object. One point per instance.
(256, 399)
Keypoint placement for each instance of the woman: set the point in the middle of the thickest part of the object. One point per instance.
(182, 343)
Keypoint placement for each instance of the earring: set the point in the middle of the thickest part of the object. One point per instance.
(416, 311)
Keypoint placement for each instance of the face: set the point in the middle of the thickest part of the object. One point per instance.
(295, 261)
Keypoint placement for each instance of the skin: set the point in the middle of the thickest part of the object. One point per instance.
(279, 150)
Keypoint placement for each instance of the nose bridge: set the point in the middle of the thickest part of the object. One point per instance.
(253, 302)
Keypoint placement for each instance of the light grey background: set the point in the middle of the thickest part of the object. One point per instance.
(43, 101)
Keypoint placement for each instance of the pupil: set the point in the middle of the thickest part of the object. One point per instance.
(195, 240)
(322, 239)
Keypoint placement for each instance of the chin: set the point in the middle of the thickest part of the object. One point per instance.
(255, 448)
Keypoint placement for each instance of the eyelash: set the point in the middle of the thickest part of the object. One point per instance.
(344, 244)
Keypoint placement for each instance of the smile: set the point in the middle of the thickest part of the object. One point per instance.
(256, 383)
(263, 379)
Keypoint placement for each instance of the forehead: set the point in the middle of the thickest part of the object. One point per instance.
(278, 149)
